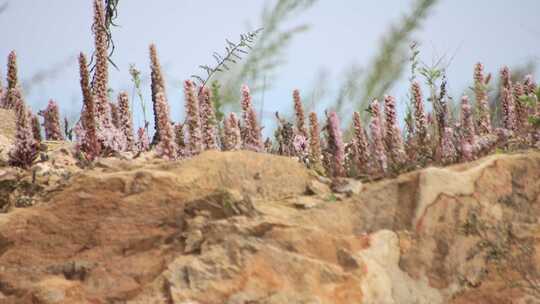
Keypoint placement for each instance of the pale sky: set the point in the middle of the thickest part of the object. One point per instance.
(50, 33)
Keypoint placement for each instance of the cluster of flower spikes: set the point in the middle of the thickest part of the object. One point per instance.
(25, 148)
(376, 151)
(99, 134)
(105, 128)
(440, 141)
(110, 137)
(379, 150)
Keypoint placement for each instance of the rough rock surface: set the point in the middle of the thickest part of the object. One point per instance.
(242, 227)
(7, 133)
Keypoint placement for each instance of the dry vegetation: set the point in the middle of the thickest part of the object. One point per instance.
(431, 138)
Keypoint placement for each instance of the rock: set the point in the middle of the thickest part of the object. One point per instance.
(194, 240)
(305, 202)
(316, 187)
(56, 291)
(385, 281)
(9, 181)
(348, 186)
(240, 227)
(73, 270)
(7, 133)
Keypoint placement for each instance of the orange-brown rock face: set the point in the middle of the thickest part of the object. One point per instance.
(7, 133)
(243, 227)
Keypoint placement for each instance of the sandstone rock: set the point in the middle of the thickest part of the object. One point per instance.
(315, 187)
(239, 227)
(306, 202)
(55, 290)
(385, 281)
(349, 187)
(7, 133)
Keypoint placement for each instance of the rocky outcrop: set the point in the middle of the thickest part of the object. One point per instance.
(243, 227)
(7, 133)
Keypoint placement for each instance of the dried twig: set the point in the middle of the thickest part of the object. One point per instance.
(232, 55)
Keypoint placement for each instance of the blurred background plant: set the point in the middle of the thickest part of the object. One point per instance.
(361, 85)
(358, 84)
(3, 7)
(268, 52)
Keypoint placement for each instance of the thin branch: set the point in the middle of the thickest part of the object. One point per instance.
(232, 55)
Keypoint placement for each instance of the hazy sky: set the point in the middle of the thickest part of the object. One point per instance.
(47, 34)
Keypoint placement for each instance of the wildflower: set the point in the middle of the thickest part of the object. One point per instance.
(36, 128)
(529, 85)
(51, 121)
(484, 122)
(299, 113)
(111, 138)
(251, 136)
(485, 143)
(208, 119)
(410, 146)
(440, 107)
(361, 144)
(268, 145)
(2, 94)
(158, 85)
(285, 137)
(143, 142)
(507, 100)
(468, 137)
(181, 140)
(192, 118)
(232, 137)
(114, 114)
(166, 147)
(12, 78)
(125, 121)
(87, 129)
(10, 100)
(420, 121)
(25, 148)
(392, 138)
(300, 145)
(315, 144)
(254, 138)
(100, 82)
(448, 149)
(531, 90)
(377, 137)
(335, 145)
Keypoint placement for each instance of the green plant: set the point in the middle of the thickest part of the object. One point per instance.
(331, 198)
(434, 76)
(532, 101)
(233, 53)
(136, 79)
